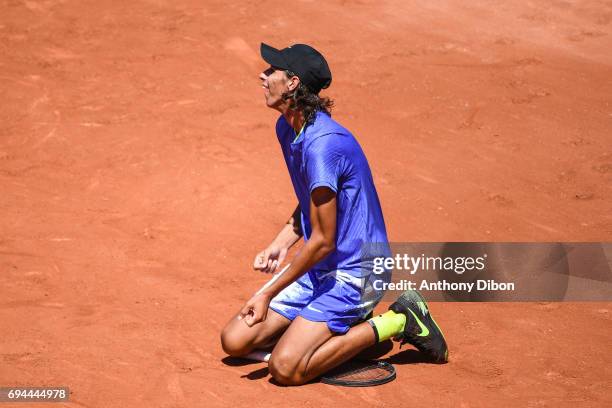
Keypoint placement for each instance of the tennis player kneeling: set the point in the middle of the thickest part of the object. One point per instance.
(313, 317)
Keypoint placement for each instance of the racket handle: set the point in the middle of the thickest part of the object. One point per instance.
(274, 279)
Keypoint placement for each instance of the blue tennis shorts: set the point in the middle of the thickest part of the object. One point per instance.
(337, 298)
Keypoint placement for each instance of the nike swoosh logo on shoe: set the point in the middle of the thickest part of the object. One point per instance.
(424, 329)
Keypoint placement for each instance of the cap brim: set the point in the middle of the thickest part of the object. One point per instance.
(273, 56)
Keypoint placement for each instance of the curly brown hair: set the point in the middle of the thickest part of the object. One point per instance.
(308, 102)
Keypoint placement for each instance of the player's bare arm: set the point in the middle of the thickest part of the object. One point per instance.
(273, 256)
(320, 244)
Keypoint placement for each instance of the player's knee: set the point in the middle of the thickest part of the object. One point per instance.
(233, 344)
(284, 367)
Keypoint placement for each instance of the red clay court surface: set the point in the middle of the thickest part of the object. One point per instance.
(140, 174)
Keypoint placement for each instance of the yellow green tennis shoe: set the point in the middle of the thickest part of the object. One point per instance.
(420, 329)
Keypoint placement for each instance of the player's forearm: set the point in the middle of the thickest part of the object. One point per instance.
(321, 243)
(314, 251)
(286, 237)
(291, 232)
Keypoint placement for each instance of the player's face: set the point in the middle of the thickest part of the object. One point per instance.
(274, 81)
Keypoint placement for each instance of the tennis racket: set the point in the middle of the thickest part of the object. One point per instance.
(355, 373)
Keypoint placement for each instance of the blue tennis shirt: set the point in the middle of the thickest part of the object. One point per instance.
(327, 155)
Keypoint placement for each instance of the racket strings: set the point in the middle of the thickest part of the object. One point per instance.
(361, 374)
(364, 374)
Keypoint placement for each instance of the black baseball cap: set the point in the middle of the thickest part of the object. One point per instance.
(303, 60)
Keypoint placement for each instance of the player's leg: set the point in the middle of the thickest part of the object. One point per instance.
(321, 338)
(308, 349)
(238, 339)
